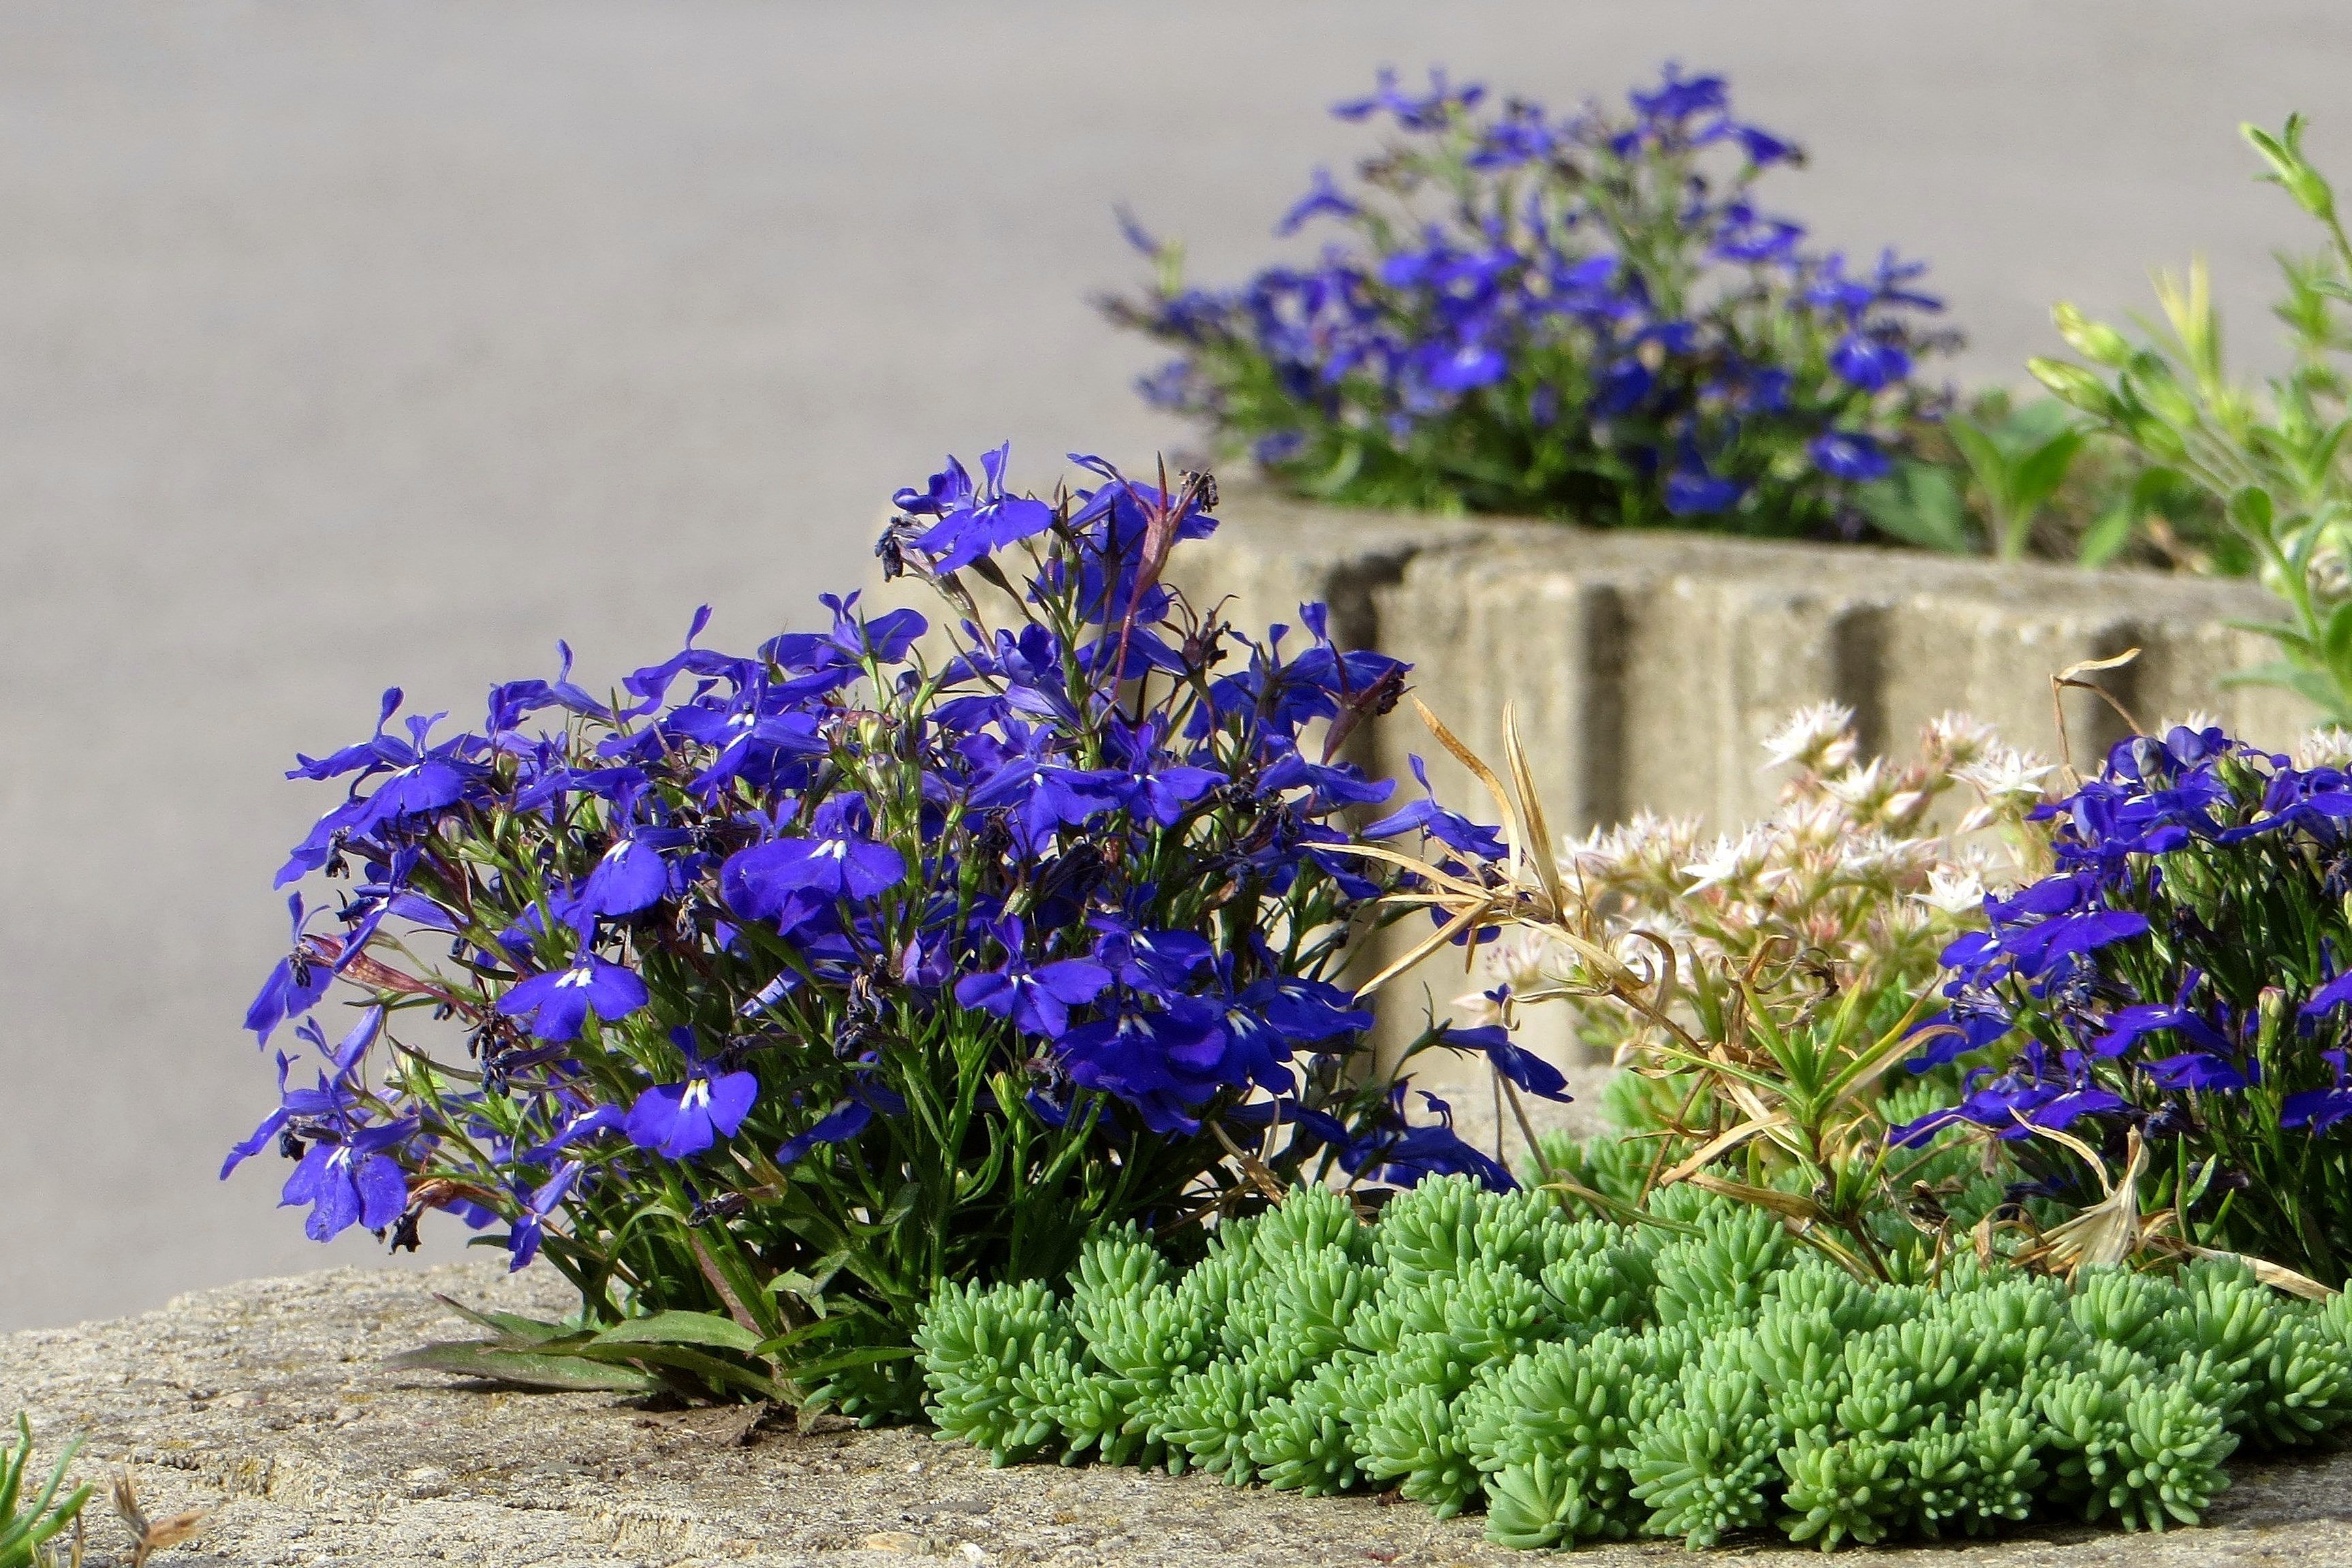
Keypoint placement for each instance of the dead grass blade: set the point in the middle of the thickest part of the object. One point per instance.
(1789, 1206)
(2109, 1231)
(1720, 1146)
(1530, 812)
(2277, 1276)
(2070, 677)
(1437, 940)
(152, 1535)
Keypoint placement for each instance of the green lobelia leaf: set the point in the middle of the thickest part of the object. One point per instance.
(508, 1326)
(682, 1328)
(498, 1364)
(1921, 505)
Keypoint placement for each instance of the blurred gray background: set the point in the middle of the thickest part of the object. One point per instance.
(356, 344)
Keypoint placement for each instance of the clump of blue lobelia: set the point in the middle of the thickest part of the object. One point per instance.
(784, 986)
(2186, 973)
(1585, 317)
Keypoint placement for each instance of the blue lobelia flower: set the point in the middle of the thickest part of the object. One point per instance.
(351, 1182)
(1763, 148)
(558, 1001)
(755, 735)
(846, 1120)
(1753, 237)
(974, 523)
(1695, 492)
(2320, 1108)
(1322, 200)
(1429, 111)
(1156, 787)
(1621, 388)
(1677, 97)
(837, 861)
(423, 779)
(512, 701)
(1468, 362)
(2126, 1024)
(294, 985)
(1308, 1011)
(843, 1122)
(1039, 796)
(632, 875)
(2328, 997)
(1518, 1066)
(1154, 962)
(1869, 363)
(1332, 785)
(529, 1227)
(678, 1120)
(587, 1121)
(1165, 1061)
(1456, 832)
(1037, 1000)
(2044, 946)
(2203, 1070)
(330, 1111)
(1850, 455)
(651, 683)
(1395, 1149)
(1966, 1025)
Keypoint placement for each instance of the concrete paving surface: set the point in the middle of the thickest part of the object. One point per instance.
(380, 342)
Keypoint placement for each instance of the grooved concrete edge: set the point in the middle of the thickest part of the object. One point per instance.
(268, 1401)
(1646, 669)
(1688, 648)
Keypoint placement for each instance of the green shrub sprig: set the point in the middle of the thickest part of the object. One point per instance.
(29, 1530)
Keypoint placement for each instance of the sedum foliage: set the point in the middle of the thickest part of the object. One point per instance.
(1689, 1378)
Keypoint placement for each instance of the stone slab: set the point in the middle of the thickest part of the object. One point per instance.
(268, 1401)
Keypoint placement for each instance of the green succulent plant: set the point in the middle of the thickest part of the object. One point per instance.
(1691, 1378)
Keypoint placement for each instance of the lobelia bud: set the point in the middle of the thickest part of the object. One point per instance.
(2271, 1007)
(2092, 340)
(2075, 387)
(2290, 169)
(2150, 381)
(2158, 438)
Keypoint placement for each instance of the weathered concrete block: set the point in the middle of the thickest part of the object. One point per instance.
(1645, 669)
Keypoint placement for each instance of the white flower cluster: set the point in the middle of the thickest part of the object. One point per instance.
(1857, 875)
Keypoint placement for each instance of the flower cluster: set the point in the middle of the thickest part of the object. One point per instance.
(1853, 877)
(2183, 974)
(1585, 317)
(879, 956)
